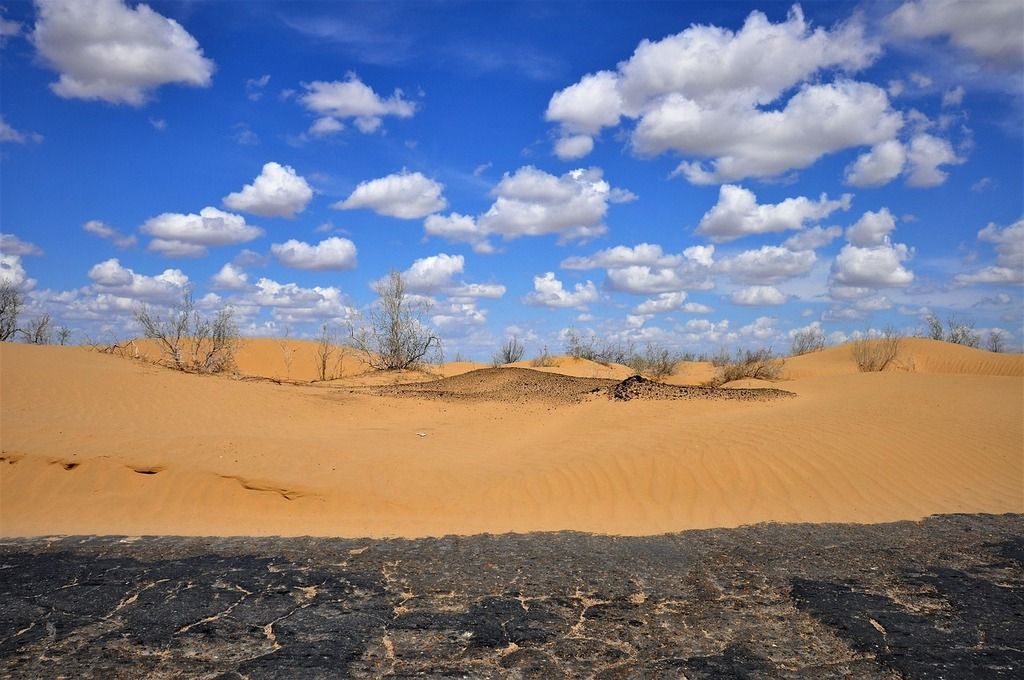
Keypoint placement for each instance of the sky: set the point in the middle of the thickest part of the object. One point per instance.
(688, 174)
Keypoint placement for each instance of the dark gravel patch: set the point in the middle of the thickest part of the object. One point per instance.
(941, 598)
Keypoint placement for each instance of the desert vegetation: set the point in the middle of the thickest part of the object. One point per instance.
(544, 359)
(807, 340)
(996, 341)
(329, 354)
(190, 341)
(395, 335)
(957, 330)
(509, 353)
(10, 306)
(876, 354)
(759, 364)
(655, 362)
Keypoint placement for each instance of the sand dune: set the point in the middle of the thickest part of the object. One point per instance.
(93, 443)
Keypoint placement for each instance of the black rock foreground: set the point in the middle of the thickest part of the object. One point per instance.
(942, 598)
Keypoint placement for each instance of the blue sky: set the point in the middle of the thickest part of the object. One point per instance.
(692, 174)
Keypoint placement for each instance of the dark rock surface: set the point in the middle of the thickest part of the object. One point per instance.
(942, 598)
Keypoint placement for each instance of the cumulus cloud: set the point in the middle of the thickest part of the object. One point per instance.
(334, 253)
(105, 231)
(738, 213)
(925, 155)
(813, 238)
(872, 229)
(230, 277)
(458, 228)
(989, 29)
(872, 267)
(662, 303)
(433, 274)
(188, 235)
(576, 146)
(113, 278)
(758, 296)
(9, 134)
(548, 291)
(768, 265)
(12, 272)
(406, 195)
(624, 256)
(12, 245)
(291, 303)
(881, 165)
(701, 93)
(352, 99)
(277, 192)
(763, 328)
(1009, 246)
(105, 50)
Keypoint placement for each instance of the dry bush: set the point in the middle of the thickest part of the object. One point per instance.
(38, 331)
(395, 336)
(509, 353)
(996, 341)
(806, 341)
(190, 341)
(543, 360)
(63, 335)
(328, 349)
(759, 364)
(958, 331)
(655, 362)
(605, 353)
(11, 302)
(874, 354)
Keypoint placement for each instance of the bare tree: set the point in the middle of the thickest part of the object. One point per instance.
(326, 349)
(395, 335)
(935, 330)
(996, 341)
(11, 302)
(509, 353)
(874, 354)
(961, 332)
(190, 341)
(63, 335)
(807, 340)
(38, 331)
(287, 352)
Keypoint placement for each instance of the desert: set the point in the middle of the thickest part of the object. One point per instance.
(99, 444)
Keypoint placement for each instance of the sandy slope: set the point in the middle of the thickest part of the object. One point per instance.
(98, 444)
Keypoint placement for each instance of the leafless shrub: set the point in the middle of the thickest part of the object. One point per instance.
(610, 352)
(11, 302)
(543, 360)
(395, 335)
(327, 349)
(655, 362)
(63, 335)
(806, 341)
(958, 331)
(874, 354)
(287, 352)
(760, 364)
(190, 341)
(38, 331)
(934, 330)
(509, 353)
(996, 341)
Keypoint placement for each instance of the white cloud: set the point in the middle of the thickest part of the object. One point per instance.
(458, 228)
(230, 277)
(277, 192)
(334, 253)
(177, 234)
(768, 264)
(662, 303)
(351, 98)
(433, 274)
(406, 195)
(924, 157)
(872, 229)
(531, 202)
(701, 93)
(872, 267)
(990, 29)
(12, 272)
(8, 29)
(882, 164)
(645, 280)
(623, 256)
(1009, 245)
(953, 97)
(576, 146)
(548, 291)
(111, 277)
(9, 134)
(465, 292)
(813, 238)
(763, 328)
(738, 213)
(291, 303)
(106, 50)
(105, 231)
(328, 125)
(254, 87)
(757, 296)
(12, 245)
